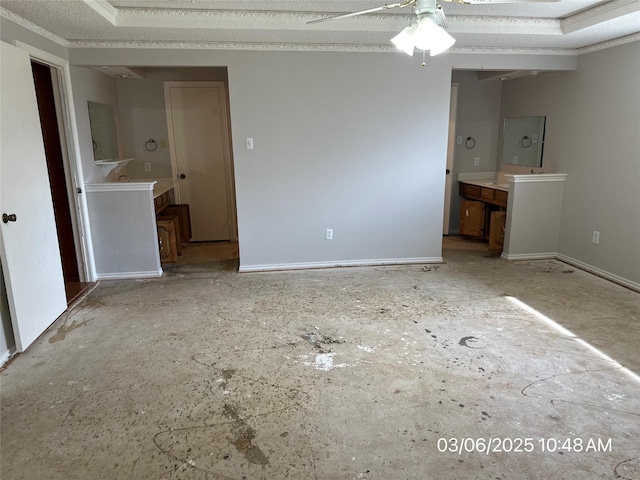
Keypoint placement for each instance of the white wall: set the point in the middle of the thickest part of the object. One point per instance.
(593, 125)
(478, 116)
(352, 142)
(90, 85)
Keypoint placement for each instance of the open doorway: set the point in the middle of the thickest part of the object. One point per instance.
(46, 81)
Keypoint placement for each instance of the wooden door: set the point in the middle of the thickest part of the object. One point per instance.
(29, 245)
(198, 135)
(472, 218)
(496, 230)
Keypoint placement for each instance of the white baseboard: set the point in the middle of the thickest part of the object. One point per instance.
(346, 263)
(599, 272)
(129, 275)
(4, 358)
(529, 256)
(575, 263)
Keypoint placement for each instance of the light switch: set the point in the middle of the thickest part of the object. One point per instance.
(459, 140)
(249, 143)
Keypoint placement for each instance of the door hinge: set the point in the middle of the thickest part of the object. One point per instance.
(78, 190)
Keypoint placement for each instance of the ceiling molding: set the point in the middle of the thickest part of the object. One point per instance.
(610, 43)
(600, 13)
(312, 47)
(33, 27)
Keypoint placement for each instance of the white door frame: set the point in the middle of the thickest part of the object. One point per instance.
(228, 165)
(453, 108)
(72, 161)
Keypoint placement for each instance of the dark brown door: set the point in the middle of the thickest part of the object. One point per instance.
(55, 166)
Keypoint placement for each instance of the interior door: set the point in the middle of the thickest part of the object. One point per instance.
(198, 136)
(453, 108)
(28, 240)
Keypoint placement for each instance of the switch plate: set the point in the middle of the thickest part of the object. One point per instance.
(596, 237)
(328, 234)
(147, 166)
(476, 161)
(459, 140)
(249, 143)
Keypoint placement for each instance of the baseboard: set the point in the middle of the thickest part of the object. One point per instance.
(578, 264)
(129, 275)
(346, 263)
(6, 356)
(599, 272)
(529, 256)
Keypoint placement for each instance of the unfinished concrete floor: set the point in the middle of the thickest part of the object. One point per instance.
(352, 373)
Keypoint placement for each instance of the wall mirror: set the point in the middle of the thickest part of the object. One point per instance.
(523, 141)
(103, 131)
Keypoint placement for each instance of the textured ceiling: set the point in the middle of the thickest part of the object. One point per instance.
(563, 26)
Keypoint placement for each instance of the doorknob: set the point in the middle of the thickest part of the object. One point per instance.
(448, 171)
(9, 218)
(182, 176)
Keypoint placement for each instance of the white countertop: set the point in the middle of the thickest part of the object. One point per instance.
(488, 184)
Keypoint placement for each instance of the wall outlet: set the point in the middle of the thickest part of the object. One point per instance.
(147, 166)
(249, 143)
(515, 160)
(476, 161)
(596, 237)
(328, 234)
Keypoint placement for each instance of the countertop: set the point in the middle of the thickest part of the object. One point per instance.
(489, 183)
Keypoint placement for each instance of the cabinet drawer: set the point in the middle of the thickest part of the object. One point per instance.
(501, 197)
(487, 193)
(470, 190)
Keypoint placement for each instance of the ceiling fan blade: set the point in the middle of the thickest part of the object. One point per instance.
(362, 12)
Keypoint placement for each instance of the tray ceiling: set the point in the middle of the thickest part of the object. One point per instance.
(565, 26)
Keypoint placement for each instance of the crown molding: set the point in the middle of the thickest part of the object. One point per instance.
(310, 47)
(634, 37)
(9, 15)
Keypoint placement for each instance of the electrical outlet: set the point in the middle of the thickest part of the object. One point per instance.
(515, 160)
(328, 234)
(147, 166)
(249, 143)
(596, 237)
(476, 161)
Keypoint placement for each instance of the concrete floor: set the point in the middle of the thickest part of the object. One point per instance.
(351, 373)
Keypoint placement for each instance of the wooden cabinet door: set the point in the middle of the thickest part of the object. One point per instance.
(472, 218)
(496, 230)
(167, 241)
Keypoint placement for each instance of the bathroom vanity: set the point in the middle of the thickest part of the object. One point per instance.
(483, 210)
(517, 214)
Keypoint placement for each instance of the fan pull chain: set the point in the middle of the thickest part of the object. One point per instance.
(424, 63)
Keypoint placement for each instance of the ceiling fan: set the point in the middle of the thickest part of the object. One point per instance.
(429, 30)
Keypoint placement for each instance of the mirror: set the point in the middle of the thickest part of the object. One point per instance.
(103, 131)
(523, 141)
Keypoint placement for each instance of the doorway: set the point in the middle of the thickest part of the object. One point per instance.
(200, 148)
(56, 155)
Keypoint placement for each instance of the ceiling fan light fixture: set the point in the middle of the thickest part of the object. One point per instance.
(442, 42)
(432, 37)
(404, 40)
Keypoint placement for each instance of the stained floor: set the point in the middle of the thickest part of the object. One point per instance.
(402, 372)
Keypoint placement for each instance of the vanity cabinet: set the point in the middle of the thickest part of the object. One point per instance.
(472, 218)
(483, 213)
